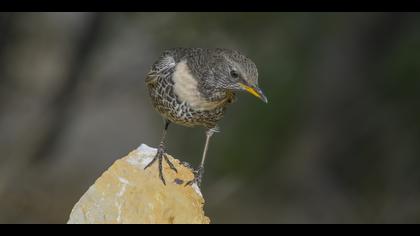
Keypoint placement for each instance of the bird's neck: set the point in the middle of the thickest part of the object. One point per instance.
(194, 92)
(215, 95)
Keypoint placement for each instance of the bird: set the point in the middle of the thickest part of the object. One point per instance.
(192, 87)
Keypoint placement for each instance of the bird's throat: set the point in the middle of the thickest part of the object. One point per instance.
(187, 90)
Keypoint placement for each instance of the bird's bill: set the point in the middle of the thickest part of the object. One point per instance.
(255, 91)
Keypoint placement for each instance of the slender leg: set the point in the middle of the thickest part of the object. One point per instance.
(198, 174)
(160, 155)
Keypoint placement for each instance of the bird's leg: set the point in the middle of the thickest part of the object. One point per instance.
(198, 174)
(161, 155)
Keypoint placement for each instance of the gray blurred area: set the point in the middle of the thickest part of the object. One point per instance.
(338, 141)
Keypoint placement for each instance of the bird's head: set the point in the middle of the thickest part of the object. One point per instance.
(238, 73)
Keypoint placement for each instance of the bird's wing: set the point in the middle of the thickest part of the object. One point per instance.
(161, 68)
(151, 77)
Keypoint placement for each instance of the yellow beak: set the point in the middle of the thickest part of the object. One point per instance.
(255, 91)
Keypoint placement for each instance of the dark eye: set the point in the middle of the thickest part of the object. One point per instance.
(234, 74)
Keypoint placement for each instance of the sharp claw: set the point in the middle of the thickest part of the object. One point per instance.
(159, 156)
(171, 165)
(198, 174)
(161, 168)
(163, 180)
(150, 163)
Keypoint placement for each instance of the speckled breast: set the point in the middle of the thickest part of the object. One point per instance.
(170, 106)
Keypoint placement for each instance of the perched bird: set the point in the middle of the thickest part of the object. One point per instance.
(193, 86)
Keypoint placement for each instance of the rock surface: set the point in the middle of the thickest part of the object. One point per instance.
(126, 193)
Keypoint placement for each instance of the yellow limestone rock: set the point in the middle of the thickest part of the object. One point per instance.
(128, 194)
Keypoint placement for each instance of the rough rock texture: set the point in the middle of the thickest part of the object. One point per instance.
(126, 193)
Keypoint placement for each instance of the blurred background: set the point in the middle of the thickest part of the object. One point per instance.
(338, 141)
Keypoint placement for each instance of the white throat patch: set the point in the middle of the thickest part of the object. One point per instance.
(185, 87)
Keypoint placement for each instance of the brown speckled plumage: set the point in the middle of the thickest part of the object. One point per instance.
(193, 86)
(160, 84)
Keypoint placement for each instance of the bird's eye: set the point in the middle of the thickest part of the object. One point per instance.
(234, 74)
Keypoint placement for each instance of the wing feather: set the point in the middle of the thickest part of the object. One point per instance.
(164, 65)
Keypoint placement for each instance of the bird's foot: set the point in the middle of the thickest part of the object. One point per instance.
(198, 175)
(186, 164)
(160, 155)
(171, 165)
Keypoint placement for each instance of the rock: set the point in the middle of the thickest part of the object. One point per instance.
(126, 193)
